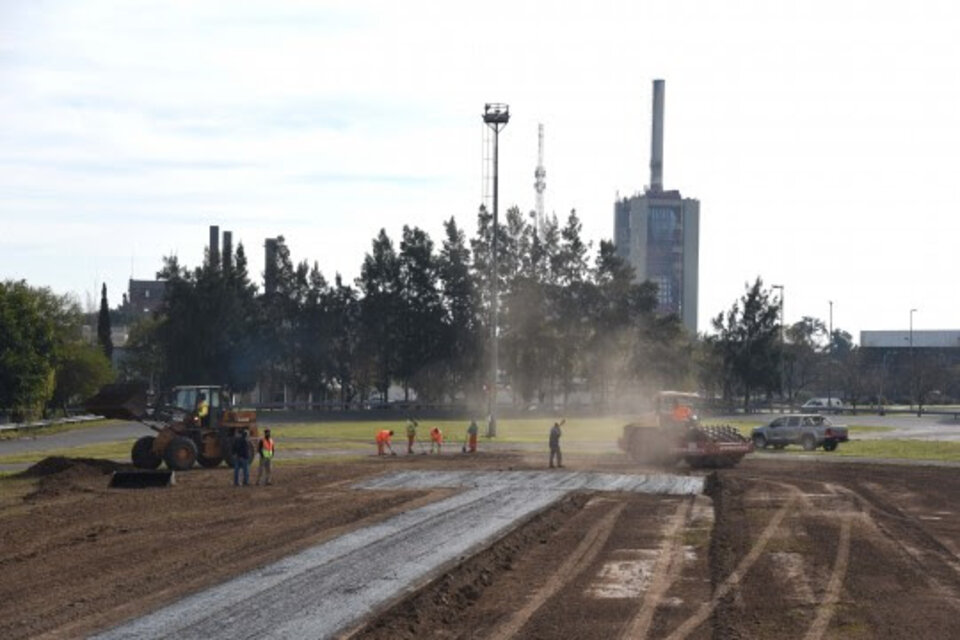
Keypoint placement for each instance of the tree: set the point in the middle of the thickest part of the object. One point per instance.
(379, 284)
(801, 363)
(36, 329)
(81, 371)
(210, 326)
(747, 338)
(103, 325)
(421, 318)
(463, 331)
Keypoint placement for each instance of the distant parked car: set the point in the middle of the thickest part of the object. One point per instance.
(810, 430)
(823, 404)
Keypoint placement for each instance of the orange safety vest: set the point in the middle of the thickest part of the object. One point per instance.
(267, 444)
(435, 435)
(383, 436)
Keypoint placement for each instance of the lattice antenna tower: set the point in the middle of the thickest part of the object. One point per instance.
(541, 177)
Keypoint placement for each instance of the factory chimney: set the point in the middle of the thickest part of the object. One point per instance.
(270, 266)
(213, 258)
(227, 250)
(656, 139)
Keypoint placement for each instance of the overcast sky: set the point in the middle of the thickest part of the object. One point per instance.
(821, 138)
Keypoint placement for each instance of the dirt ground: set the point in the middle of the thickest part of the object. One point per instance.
(778, 549)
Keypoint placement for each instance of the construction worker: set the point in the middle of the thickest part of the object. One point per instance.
(383, 442)
(265, 449)
(681, 413)
(241, 458)
(555, 434)
(411, 434)
(472, 437)
(202, 411)
(436, 440)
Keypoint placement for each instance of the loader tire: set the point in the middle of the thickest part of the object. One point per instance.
(142, 454)
(181, 453)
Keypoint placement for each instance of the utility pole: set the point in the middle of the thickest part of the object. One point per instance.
(830, 360)
(495, 116)
(782, 343)
(913, 367)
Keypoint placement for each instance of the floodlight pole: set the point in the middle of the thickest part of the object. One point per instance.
(496, 117)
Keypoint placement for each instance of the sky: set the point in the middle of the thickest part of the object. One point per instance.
(821, 138)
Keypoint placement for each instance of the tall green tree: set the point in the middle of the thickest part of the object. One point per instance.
(463, 331)
(747, 338)
(421, 317)
(379, 285)
(104, 336)
(210, 326)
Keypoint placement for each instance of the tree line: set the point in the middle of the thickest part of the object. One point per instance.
(574, 327)
(572, 322)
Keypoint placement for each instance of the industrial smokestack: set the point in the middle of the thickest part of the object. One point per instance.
(214, 257)
(227, 250)
(656, 139)
(270, 266)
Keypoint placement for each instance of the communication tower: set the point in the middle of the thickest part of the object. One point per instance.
(541, 179)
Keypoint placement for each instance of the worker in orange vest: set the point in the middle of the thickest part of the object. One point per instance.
(436, 439)
(471, 446)
(265, 449)
(383, 441)
(681, 413)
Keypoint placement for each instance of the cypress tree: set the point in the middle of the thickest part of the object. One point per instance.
(103, 325)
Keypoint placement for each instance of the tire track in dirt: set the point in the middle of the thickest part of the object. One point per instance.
(832, 596)
(898, 529)
(665, 573)
(581, 558)
(733, 580)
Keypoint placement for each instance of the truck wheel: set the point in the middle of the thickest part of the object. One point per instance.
(181, 453)
(142, 454)
(759, 441)
(830, 445)
(809, 443)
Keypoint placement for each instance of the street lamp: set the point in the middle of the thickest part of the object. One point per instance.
(495, 116)
(782, 343)
(830, 358)
(913, 366)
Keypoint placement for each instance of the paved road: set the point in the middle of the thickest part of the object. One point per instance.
(332, 587)
(112, 432)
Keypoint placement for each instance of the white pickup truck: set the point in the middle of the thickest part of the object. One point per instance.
(810, 430)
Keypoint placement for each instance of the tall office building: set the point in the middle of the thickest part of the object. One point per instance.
(658, 232)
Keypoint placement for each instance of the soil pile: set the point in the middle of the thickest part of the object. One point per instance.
(59, 475)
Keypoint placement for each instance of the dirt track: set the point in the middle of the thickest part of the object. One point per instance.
(783, 549)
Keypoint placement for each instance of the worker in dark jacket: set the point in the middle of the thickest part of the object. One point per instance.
(241, 458)
(555, 434)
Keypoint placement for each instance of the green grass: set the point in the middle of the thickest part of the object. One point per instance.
(508, 430)
(869, 429)
(900, 449)
(107, 450)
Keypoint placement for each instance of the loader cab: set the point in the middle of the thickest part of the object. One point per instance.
(185, 399)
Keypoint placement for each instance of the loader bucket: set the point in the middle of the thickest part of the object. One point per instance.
(124, 401)
(141, 479)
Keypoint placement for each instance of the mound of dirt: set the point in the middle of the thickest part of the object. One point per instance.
(59, 475)
(58, 464)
